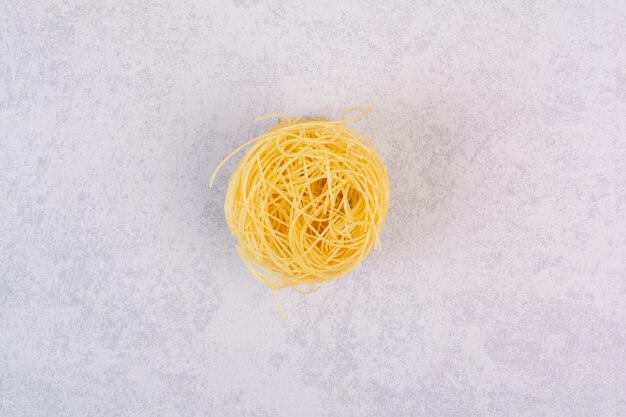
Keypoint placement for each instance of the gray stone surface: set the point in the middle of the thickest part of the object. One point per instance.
(501, 286)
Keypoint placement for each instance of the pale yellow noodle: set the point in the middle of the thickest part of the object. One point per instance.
(307, 201)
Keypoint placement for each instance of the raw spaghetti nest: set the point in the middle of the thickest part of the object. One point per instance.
(307, 202)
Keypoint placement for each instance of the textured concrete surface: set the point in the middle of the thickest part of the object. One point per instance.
(501, 287)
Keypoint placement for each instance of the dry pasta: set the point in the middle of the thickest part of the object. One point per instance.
(307, 202)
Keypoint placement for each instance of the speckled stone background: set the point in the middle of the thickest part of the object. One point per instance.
(501, 286)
